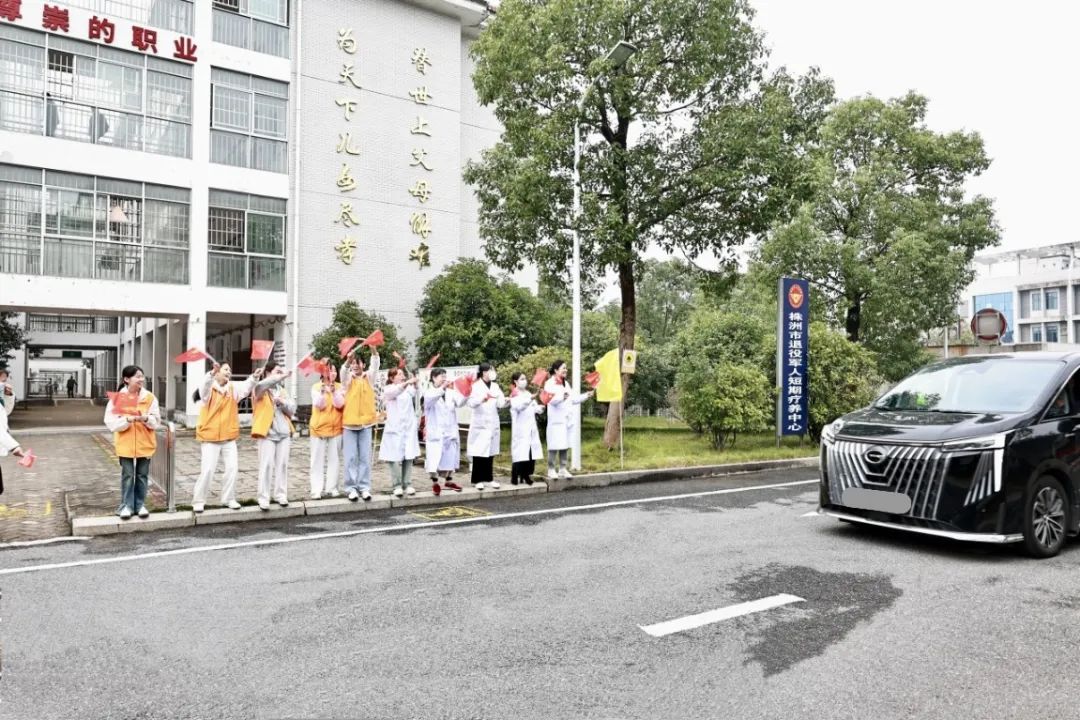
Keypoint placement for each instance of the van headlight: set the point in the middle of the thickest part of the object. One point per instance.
(984, 442)
(828, 435)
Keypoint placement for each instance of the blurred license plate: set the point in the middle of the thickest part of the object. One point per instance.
(879, 500)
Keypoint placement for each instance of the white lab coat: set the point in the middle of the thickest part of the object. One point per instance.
(7, 402)
(7, 443)
(524, 435)
(562, 416)
(399, 440)
(441, 426)
(484, 426)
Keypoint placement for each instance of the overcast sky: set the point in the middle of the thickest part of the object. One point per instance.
(1005, 70)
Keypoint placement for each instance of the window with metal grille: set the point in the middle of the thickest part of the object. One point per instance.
(259, 25)
(249, 121)
(247, 241)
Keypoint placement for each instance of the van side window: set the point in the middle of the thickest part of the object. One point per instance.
(1060, 407)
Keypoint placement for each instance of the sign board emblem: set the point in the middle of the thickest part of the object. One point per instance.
(629, 362)
(795, 297)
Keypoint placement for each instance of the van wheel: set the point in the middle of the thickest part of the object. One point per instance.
(1046, 515)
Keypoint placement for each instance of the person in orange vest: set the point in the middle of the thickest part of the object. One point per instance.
(271, 425)
(217, 430)
(132, 415)
(358, 418)
(327, 404)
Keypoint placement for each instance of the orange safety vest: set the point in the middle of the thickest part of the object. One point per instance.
(263, 418)
(359, 404)
(138, 441)
(326, 422)
(219, 418)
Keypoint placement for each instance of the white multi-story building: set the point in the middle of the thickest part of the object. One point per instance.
(214, 171)
(1037, 289)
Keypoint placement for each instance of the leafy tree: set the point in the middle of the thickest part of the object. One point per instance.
(724, 400)
(690, 147)
(888, 236)
(470, 317)
(714, 337)
(350, 321)
(842, 377)
(665, 298)
(599, 335)
(12, 337)
(654, 379)
(528, 363)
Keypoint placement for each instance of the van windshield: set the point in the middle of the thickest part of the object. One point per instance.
(970, 385)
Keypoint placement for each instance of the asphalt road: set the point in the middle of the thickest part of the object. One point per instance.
(540, 615)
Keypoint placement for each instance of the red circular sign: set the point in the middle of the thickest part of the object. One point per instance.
(989, 324)
(795, 297)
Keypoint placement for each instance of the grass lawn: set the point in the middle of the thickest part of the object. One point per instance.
(652, 442)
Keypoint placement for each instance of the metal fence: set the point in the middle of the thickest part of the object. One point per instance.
(163, 464)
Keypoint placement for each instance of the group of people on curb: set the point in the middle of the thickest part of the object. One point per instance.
(343, 417)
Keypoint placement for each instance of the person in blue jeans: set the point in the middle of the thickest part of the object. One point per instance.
(358, 418)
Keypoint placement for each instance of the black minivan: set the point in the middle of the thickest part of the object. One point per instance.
(982, 448)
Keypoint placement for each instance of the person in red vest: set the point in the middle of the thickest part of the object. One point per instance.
(271, 424)
(132, 415)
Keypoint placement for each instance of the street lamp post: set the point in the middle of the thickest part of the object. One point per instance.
(617, 56)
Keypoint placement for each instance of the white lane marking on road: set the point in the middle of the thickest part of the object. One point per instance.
(47, 541)
(690, 622)
(393, 528)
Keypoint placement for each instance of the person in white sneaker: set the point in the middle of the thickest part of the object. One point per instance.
(327, 403)
(132, 415)
(525, 446)
(442, 445)
(483, 444)
(217, 431)
(358, 419)
(400, 441)
(563, 412)
(271, 424)
(8, 444)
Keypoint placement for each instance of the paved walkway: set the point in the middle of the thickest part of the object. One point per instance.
(66, 413)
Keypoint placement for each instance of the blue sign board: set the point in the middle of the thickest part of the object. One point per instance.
(792, 333)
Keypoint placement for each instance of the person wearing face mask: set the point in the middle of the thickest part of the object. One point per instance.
(358, 418)
(562, 419)
(7, 393)
(217, 431)
(327, 402)
(525, 445)
(400, 442)
(483, 444)
(442, 445)
(132, 415)
(271, 425)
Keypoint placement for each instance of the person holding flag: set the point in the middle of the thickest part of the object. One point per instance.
(485, 400)
(7, 393)
(442, 444)
(8, 444)
(217, 431)
(400, 442)
(562, 419)
(132, 415)
(358, 415)
(525, 446)
(327, 404)
(271, 425)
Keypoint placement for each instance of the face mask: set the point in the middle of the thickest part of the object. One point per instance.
(493, 376)
(522, 383)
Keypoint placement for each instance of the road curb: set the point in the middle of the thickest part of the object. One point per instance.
(112, 525)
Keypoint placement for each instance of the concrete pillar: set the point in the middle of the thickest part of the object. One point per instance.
(194, 372)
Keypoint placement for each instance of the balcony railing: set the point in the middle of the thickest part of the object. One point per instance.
(246, 272)
(99, 260)
(72, 324)
(241, 31)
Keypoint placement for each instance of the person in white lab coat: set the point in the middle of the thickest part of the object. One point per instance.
(562, 419)
(483, 444)
(7, 393)
(442, 444)
(8, 444)
(525, 448)
(400, 443)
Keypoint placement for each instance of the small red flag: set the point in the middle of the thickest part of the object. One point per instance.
(433, 360)
(320, 368)
(375, 339)
(191, 355)
(401, 360)
(540, 377)
(545, 397)
(28, 458)
(593, 379)
(261, 349)
(307, 366)
(124, 403)
(346, 345)
(464, 385)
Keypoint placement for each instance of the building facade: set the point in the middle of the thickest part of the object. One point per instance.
(212, 172)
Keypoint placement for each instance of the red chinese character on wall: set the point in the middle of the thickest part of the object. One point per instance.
(144, 38)
(55, 18)
(10, 9)
(185, 49)
(102, 29)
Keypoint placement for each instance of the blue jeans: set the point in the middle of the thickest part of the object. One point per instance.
(134, 482)
(356, 445)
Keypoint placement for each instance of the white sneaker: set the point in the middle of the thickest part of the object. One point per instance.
(316, 496)
(353, 495)
(552, 475)
(264, 505)
(410, 491)
(398, 492)
(365, 495)
(479, 486)
(125, 512)
(565, 475)
(233, 505)
(495, 485)
(198, 507)
(143, 512)
(283, 502)
(334, 494)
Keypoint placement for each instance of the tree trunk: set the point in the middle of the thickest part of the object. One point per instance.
(853, 320)
(627, 328)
